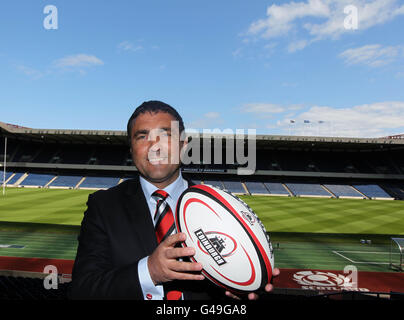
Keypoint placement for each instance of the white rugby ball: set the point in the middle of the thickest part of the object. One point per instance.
(230, 241)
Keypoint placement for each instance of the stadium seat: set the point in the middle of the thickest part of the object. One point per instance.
(276, 188)
(394, 189)
(214, 183)
(307, 189)
(35, 179)
(256, 187)
(15, 178)
(234, 187)
(373, 191)
(99, 182)
(343, 191)
(65, 181)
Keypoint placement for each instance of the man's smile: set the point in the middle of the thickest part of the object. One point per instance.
(158, 160)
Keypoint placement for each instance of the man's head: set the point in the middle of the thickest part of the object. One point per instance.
(154, 132)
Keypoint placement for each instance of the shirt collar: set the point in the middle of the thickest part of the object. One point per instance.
(174, 189)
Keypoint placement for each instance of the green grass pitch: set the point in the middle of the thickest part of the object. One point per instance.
(324, 215)
(313, 233)
(43, 206)
(279, 214)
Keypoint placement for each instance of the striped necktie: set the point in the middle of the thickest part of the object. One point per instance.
(164, 227)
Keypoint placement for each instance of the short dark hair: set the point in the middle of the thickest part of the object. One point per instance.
(154, 106)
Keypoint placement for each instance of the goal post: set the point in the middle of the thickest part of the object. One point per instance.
(396, 253)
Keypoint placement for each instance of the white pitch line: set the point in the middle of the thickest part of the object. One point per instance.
(341, 255)
(362, 262)
(365, 252)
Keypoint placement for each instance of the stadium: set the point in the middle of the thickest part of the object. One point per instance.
(333, 206)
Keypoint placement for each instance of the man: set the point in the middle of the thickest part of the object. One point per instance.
(120, 254)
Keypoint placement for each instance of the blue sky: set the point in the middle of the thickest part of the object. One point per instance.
(230, 64)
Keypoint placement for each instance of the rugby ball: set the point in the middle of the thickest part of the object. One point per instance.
(230, 241)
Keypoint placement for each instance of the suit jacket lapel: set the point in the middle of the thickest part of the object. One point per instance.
(139, 216)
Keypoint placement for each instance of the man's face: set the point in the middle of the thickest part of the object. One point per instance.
(156, 146)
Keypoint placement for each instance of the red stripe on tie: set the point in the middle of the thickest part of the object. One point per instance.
(164, 226)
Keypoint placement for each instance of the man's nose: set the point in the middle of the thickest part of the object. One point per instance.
(154, 144)
(155, 147)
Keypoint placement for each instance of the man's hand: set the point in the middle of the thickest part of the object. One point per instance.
(164, 266)
(252, 295)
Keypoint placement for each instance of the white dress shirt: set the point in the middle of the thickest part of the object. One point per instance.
(174, 190)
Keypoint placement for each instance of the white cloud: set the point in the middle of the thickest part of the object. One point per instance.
(78, 60)
(373, 55)
(30, 72)
(280, 20)
(212, 115)
(77, 63)
(129, 46)
(320, 19)
(262, 108)
(367, 120)
(297, 45)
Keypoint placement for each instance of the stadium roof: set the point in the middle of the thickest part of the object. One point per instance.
(263, 141)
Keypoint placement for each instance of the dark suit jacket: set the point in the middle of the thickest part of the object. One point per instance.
(116, 232)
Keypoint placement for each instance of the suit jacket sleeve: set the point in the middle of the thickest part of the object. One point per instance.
(94, 275)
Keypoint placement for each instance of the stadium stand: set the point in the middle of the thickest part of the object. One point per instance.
(372, 191)
(343, 191)
(256, 187)
(234, 187)
(346, 167)
(74, 154)
(14, 178)
(99, 182)
(218, 184)
(276, 188)
(7, 176)
(308, 189)
(110, 155)
(395, 190)
(37, 179)
(65, 181)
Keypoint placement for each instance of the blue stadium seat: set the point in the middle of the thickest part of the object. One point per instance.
(255, 187)
(308, 189)
(8, 175)
(343, 190)
(234, 187)
(214, 183)
(372, 191)
(276, 188)
(66, 181)
(14, 179)
(395, 190)
(37, 179)
(99, 182)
